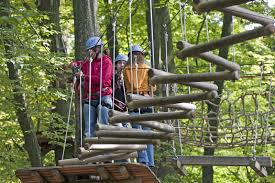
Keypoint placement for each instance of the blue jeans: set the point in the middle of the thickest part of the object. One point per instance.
(145, 156)
(106, 102)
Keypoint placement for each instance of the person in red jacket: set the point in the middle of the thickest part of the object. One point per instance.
(94, 83)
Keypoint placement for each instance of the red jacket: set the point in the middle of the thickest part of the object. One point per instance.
(107, 75)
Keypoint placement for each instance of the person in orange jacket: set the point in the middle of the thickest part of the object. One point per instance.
(137, 82)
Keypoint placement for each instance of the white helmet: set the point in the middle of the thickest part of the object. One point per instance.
(121, 57)
(92, 42)
(136, 48)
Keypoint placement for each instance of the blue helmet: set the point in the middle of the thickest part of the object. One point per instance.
(92, 42)
(121, 57)
(136, 48)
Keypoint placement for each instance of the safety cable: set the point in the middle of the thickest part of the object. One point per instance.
(68, 118)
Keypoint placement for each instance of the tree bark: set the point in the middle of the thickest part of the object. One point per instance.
(19, 101)
(207, 171)
(85, 24)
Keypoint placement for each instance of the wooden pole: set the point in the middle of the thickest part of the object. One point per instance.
(116, 128)
(226, 41)
(109, 157)
(84, 154)
(248, 15)
(212, 58)
(134, 140)
(118, 146)
(180, 106)
(195, 77)
(161, 101)
(209, 5)
(147, 135)
(152, 116)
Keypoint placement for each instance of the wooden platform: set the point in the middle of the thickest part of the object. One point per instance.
(111, 173)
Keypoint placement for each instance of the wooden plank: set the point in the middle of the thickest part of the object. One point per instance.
(212, 58)
(161, 101)
(209, 5)
(152, 116)
(147, 135)
(83, 153)
(37, 177)
(113, 140)
(111, 127)
(221, 160)
(261, 171)
(118, 146)
(195, 77)
(226, 41)
(248, 15)
(56, 175)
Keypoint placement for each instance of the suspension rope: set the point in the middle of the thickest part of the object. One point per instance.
(233, 46)
(100, 85)
(267, 118)
(114, 57)
(152, 34)
(130, 44)
(207, 36)
(80, 108)
(68, 118)
(90, 87)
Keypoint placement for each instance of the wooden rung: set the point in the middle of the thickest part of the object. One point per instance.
(261, 171)
(221, 160)
(226, 41)
(195, 77)
(103, 173)
(248, 15)
(152, 124)
(147, 135)
(179, 106)
(209, 5)
(118, 146)
(152, 116)
(161, 101)
(73, 161)
(212, 58)
(179, 168)
(136, 140)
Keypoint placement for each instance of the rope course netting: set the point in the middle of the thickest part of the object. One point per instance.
(244, 120)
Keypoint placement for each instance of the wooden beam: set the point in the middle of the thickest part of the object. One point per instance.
(152, 116)
(226, 41)
(147, 135)
(261, 171)
(161, 101)
(195, 77)
(212, 58)
(131, 180)
(179, 168)
(57, 176)
(72, 161)
(124, 174)
(110, 157)
(103, 173)
(209, 5)
(221, 160)
(118, 146)
(248, 15)
(152, 124)
(111, 127)
(83, 153)
(35, 176)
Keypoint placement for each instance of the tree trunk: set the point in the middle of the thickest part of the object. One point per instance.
(161, 17)
(207, 171)
(31, 143)
(51, 8)
(109, 31)
(85, 25)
